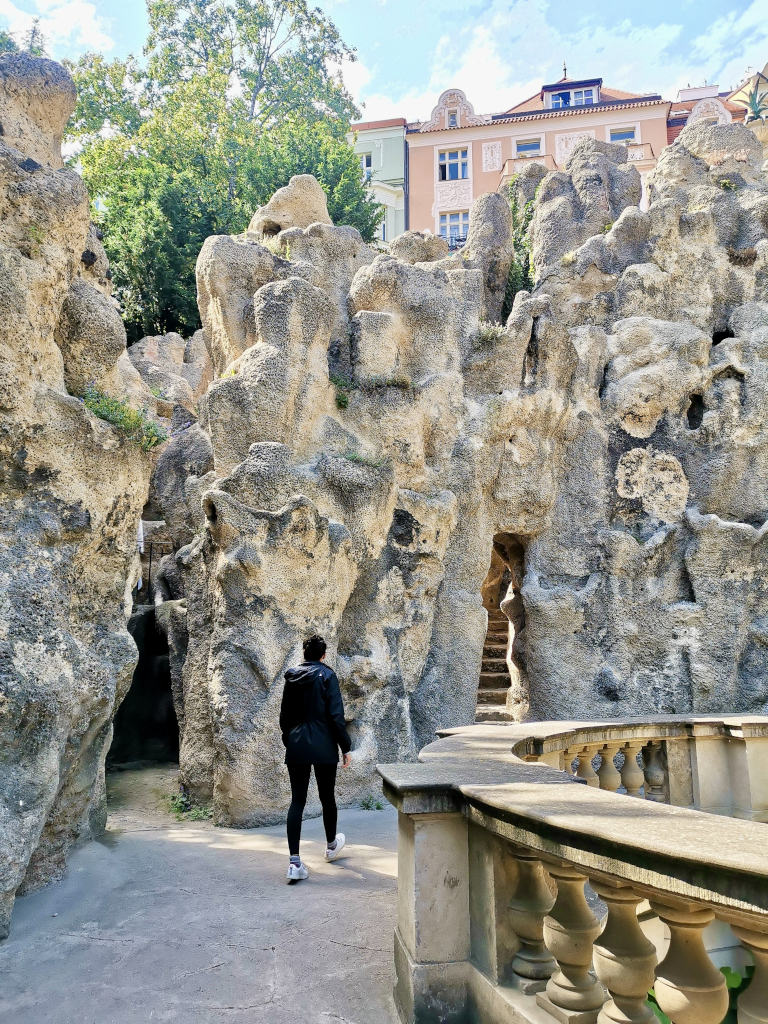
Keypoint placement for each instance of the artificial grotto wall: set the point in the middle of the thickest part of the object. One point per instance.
(71, 492)
(367, 427)
(372, 426)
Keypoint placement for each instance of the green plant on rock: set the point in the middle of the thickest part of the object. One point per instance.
(363, 460)
(276, 247)
(371, 803)
(519, 277)
(607, 227)
(489, 333)
(377, 382)
(727, 185)
(343, 386)
(133, 424)
(182, 808)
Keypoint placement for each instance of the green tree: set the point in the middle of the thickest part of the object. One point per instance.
(7, 43)
(34, 40)
(236, 97)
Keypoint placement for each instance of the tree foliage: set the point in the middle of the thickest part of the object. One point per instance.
(7, 43)
(235, 96)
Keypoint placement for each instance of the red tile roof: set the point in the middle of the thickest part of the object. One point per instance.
(392, 122)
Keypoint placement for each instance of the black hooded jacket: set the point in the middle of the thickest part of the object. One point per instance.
(312, 715)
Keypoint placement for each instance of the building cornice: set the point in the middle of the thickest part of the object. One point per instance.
(561, 112)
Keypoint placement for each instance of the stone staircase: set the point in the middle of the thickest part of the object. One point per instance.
(494, 674)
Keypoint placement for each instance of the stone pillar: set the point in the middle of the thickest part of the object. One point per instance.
(624, 958)
(432, 939)
(532, 899)
(492, 884)
(631, 773)
(711, 771)
(585, 770)
(573, 995)
(753, 1003)
(655, 776)
(756, 757)
(608, 775)
(688, 987)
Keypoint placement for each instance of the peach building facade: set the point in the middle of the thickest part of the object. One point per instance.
(458, 155)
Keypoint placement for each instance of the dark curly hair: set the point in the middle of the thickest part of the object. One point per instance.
(314, 648)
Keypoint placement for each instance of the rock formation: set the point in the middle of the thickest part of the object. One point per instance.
(71, 492)
(368, 441)
(374, 433)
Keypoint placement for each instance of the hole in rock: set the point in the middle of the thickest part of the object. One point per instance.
(503, 673)
(695, 413)
(719, 336)
(145, 726)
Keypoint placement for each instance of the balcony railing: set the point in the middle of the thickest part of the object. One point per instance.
(526, 895)
(516, 164)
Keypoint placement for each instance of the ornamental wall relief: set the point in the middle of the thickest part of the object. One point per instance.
(491, 156)
(452, 99)
(564, 144)
(709, 108)
(453, 195)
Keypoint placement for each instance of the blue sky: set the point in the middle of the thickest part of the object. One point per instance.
(497, 51)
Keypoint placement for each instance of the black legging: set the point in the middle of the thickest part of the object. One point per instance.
(325, 777)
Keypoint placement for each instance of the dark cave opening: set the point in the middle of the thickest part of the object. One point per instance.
(145, 726)
(695, 411)
(719, 336)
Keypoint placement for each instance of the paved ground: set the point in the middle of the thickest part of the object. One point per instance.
(183, 922)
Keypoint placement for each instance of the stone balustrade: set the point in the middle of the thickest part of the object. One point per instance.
(533, 892)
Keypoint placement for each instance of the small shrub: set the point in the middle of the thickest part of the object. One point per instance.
(727, 185)
(371, 803)
(134, 424)
(489, 333)
(157, 392)
(607, 227)
(343, 387)
(201, 813)
(182, 808)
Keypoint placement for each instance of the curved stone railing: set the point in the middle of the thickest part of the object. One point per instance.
(496, 919)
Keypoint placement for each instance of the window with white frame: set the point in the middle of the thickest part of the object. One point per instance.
(366, 164)
(453, 119)
(528, 147)
(560, 99)
(452, 165)
(454, 226)
(625, 135)
(583, 97)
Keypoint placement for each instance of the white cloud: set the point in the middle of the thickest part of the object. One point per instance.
(517, 48)
(69, 26)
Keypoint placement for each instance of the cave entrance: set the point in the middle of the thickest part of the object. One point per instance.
(503, 689)
(145, 726)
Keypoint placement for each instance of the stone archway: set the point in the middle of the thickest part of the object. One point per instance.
(503, 690)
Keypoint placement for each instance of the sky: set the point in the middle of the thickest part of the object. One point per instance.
(498, 51)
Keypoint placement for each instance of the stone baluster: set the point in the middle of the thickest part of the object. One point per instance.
(531, 901)
(688, 987)
(631, 773)
(753, 1002)
(654, 773)
(624, 958)
(608, 774)
(573, 992)
(585, 770)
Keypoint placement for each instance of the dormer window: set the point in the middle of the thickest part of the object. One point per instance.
(453, 119)
(561, 99)
(583, 97)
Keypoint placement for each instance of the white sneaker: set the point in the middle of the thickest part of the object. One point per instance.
(334, 853)
(296, 873)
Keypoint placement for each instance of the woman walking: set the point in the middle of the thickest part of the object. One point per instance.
(313, 728)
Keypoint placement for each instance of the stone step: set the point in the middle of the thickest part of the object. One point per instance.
(496, 638)
(492, 696)
(491, 714)
(495, 650)
(494, 680)
(494, 664)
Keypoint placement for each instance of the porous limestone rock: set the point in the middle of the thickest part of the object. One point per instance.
(176, 372)
(608, 441)
(297, 205)
(71, 493)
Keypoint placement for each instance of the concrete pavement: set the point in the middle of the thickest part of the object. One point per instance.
(184, 922)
